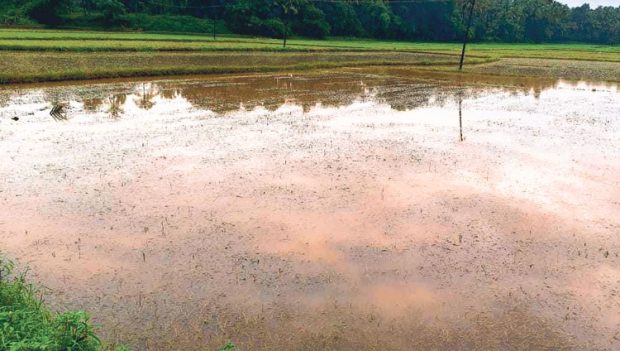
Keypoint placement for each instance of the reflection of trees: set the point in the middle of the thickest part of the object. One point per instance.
(170, 93)
(93, 97)
(268, 92)
(400, 93)
(401, 88)
(146, 96)
(117, 102)
(55, 96)
(92, 105)
(5, 97)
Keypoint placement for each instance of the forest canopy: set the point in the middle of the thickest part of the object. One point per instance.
(429, 20)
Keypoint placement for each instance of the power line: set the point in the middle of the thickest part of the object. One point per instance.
(358, 2)
(152, 3)
(350, 2)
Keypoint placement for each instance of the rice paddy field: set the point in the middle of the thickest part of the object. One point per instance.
(330, 195)
(358, 208)
(96, 41)
(27, 66)
(52, 55)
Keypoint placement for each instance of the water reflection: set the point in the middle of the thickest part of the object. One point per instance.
(185, 219)
(58, 112)
(146, 96)
(92, 104)
(400, 89)
(117, 102)
(461, 118)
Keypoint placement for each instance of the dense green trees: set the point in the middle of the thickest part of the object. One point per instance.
(48, 11)
(495, 20)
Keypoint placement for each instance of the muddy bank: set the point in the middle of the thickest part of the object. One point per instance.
(567, 69)
(370, 210)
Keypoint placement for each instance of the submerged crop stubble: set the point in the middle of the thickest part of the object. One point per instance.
(322, 211)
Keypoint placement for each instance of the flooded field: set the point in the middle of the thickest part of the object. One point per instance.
(364, 209)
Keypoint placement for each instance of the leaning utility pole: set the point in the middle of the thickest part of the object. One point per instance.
(466, 36)
(214, 22)
(285, 29)
(213, 28)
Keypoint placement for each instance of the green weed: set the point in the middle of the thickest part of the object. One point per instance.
(227, 347)
(26, 324)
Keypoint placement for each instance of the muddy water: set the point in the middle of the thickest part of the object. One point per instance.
(354, 210)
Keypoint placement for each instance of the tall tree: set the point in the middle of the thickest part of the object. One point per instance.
(50, 11)
(494, 20)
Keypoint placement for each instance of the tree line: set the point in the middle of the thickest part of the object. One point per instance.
(430, 20)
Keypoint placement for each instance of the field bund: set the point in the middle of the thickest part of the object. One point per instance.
(47, 55)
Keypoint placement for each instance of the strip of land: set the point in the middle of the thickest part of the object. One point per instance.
(23, 67)
(55, 55)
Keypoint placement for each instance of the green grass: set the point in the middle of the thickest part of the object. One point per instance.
(45, 34)
(20, 67)
(75, 41)
(170, 71)
(51, 55)
(26, 324)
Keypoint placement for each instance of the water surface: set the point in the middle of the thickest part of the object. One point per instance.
(377, 208)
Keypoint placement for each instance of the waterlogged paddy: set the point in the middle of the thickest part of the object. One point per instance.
(377, 209)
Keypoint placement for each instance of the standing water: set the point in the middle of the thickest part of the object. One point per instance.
(365, 209)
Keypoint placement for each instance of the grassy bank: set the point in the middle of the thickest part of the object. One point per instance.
(76, 41)
(21, 67)
(55, 55)
(28, 325)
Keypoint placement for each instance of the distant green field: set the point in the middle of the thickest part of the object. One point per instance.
(37, 66)
(44, 34)
(45, 55)
(54, 40)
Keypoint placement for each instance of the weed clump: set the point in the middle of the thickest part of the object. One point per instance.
(26, 324)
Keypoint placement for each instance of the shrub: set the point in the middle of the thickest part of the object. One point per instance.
(111, 10)
(14, 17)
(164, 23)
(312, 23)
(272, 27)
(48, 11)
(26, 324)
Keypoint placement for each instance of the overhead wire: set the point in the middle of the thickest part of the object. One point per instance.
(350, 2)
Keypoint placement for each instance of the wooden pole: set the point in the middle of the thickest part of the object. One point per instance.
(466, 36)
(285, 29)
(214, 28)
